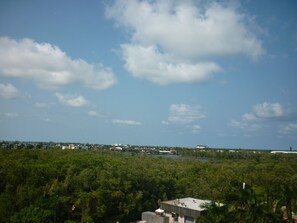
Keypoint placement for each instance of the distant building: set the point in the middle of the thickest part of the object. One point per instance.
(286, 152)
(70, 146)
(201, 147)
(116, 148)
(165, 152)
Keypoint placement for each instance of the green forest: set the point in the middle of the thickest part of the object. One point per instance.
(56, 185)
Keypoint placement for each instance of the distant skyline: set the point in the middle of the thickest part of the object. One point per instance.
(167, 72)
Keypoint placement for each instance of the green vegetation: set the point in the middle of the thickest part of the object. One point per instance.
(101, 186)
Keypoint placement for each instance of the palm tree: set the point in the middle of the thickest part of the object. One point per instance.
(245, 207)
(252, 207)
(216, 213)
(288, 201)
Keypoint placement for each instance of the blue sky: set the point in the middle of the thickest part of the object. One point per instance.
(169, 73)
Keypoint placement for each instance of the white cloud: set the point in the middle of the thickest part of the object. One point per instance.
(245, 125)
(42, 105)
(48, 120)
(177, 34)
(8, 91)
(71, 100)
(263, 115)
(94, 114)
(289, 129)
(196, 128)
(148, 63)
(184, 114)
(11, 115)
(268, 110)
(50, 67)
(125, 122)
(248, 117)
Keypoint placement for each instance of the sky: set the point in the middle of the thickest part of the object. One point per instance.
(160, 73)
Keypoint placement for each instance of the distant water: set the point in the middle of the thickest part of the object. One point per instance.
(190, 158)
(170, 156)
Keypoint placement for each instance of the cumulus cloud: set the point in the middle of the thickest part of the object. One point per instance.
(268, 110)
(49, 67)
(95, 114)
(184, 114)
(48, 120)
(249, 117)
(11, 115)
(8, 91)
(72, 100)
(92, 113)
(195, 128)
(262, 114)
(288, 129)
(181, 36)
(149, 63)
(125, 122)
(245, 125)
(42, 105)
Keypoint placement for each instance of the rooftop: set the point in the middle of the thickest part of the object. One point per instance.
(188, 202)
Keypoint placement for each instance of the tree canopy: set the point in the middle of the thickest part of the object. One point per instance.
(102, 186)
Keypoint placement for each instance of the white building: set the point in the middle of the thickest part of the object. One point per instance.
(284, 152)
(201, 147)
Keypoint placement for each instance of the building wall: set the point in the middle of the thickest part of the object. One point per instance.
(182, 211)
(183, 219)
(152, 217)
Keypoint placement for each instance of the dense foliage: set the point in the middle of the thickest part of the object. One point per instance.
(101, 186)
